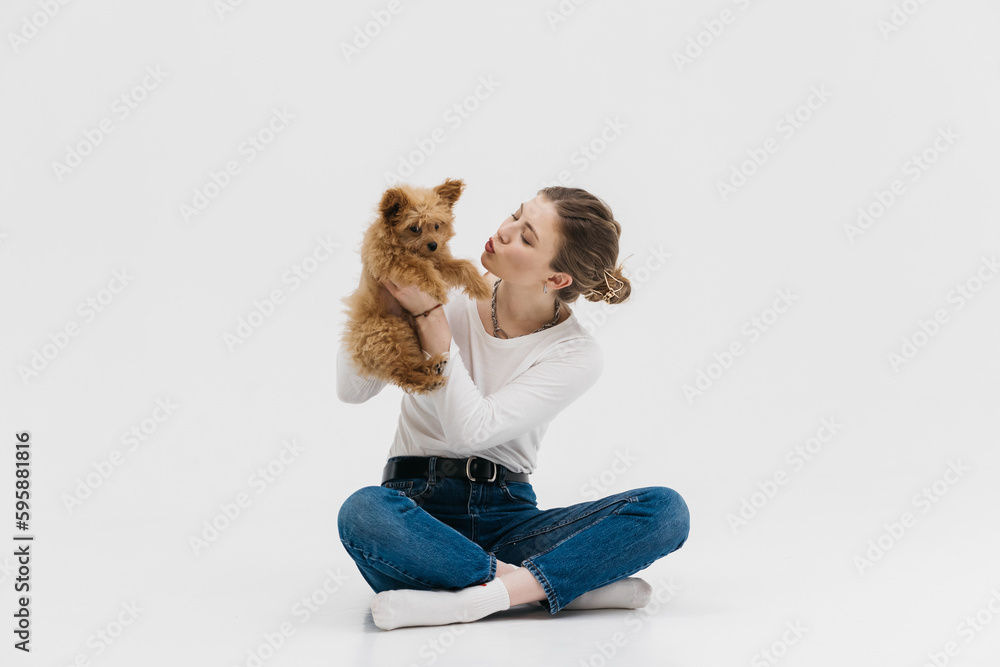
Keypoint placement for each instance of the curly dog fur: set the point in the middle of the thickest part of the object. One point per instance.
(407, 243)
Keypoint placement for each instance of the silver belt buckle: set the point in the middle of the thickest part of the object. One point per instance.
(468, 469)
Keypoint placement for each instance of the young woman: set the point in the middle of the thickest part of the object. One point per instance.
(454, 533)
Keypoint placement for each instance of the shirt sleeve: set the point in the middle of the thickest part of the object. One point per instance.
(472, 422)
(351, 386)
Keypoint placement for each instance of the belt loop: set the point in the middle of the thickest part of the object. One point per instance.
(431, 469)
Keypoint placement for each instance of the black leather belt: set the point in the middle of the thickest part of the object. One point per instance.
(473, 469)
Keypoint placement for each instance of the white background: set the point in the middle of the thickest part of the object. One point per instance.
(892, 82)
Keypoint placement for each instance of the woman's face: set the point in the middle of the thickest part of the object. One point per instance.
(525, 244)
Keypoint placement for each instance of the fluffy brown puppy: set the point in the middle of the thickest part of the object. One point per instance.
(407, 243)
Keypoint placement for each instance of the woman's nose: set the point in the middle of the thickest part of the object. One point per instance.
(502, 232)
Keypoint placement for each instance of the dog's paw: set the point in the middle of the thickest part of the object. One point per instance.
(439, 294)
(478, 289)
(434, 385)
(429, 375)
(424, 385)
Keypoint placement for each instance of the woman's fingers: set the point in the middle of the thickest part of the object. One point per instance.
(389, 302)
(392, 287)
(410, 297)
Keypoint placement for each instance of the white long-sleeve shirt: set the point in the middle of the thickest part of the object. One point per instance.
(500, 394)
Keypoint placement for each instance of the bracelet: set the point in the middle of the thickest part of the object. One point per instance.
(426, 312)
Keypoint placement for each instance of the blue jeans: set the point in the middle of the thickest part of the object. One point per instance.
(448, 533)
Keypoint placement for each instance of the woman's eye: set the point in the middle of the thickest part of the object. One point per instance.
(415, 229)
(525, 240)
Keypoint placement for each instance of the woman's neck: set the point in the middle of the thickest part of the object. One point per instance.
(523, 308)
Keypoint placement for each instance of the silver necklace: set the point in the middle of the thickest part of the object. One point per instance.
(496, 327)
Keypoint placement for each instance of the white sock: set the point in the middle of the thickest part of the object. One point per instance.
(630, 593)
(404, 607)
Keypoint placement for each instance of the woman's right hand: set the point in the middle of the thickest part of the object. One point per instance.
(389, 303)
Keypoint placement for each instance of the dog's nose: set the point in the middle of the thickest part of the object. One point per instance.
(433, 245)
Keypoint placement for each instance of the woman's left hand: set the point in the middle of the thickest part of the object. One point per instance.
(410, 297)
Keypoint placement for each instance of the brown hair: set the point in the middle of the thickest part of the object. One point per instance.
(589, 247)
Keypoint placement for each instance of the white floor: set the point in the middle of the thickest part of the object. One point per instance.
(788, 586)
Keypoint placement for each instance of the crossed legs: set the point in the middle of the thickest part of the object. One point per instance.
(450, 579)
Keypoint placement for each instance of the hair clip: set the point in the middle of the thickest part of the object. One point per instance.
(612, 291)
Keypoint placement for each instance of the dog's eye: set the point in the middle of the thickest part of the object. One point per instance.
(415, 229)
(436, 226)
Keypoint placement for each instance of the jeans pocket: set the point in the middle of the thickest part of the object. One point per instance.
(411, 488)
(520, 492)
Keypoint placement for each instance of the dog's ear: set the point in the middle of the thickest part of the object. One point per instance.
(450, 191)
(393, 201)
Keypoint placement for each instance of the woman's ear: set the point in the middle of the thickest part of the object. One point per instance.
(561, 280)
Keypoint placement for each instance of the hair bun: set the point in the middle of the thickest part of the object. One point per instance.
(615, 288)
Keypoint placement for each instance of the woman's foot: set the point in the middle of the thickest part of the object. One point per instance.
(504, 568)
(630, 593)
(404, 608)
